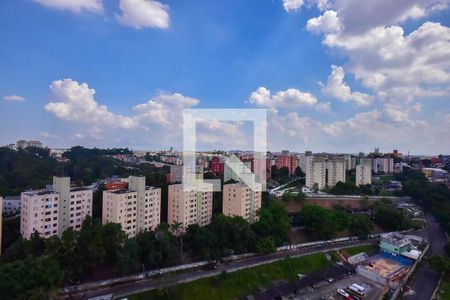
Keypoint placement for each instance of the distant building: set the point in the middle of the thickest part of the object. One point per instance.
(135, 209)
(242, 169)
(364, 172)
(11, 205)
(176, 172)
(36, 144)
(335, 171)
(315, 172)
(217, 166)
(190, 205)
(52, 211)
(287, 160)
(241, 200)
(383, 165)
(116, 185)
(435, 174)
(22, 144)
(350, 162)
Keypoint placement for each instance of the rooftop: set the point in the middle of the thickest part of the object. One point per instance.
(395, 238)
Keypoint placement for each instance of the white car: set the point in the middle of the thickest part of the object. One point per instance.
(343, 293)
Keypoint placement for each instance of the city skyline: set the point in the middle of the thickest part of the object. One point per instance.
(107, 74)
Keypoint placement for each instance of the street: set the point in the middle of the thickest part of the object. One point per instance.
(426, 279)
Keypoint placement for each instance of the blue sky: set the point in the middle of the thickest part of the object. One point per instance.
(226, 54)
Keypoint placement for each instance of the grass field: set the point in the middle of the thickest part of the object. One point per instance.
(232, 285)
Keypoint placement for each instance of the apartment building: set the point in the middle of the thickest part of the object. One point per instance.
(241, 200)
(136, 208)
(335, 171)
(287, 160)
(315, 172)
(364, 172)
(176, 172)
(383, 165)
(190, 204)
(52, 211)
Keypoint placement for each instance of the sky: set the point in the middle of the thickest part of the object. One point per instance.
(332, 75)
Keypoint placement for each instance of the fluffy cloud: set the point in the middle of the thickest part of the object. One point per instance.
(399, 66)
(323, 107)
(76, 6)
(288, 98)
(358, 16)
(14, 98)
(336, 87)
(359, 132)
(144, 13)
(75, 102)
(292, 5)
(158, 121)
(328, 22)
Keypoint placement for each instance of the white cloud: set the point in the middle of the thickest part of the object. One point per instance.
(158, 121)
(398, 66)
(48, 135)
(336, 87)
(288, 98)
(358, 16)
(76, 6)
(292, 5)
(328, 22)
(323, 107)
(14, 98)
(144, 13)
(75, 102)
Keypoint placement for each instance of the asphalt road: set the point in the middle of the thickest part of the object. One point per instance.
(426, 279)
(125, 289)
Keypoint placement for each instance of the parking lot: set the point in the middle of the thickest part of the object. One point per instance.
(328, 291)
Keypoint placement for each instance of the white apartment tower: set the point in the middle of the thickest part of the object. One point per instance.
(190, 204)
(315, 172)
(52, 211)
(364, 172)
(335, 171)
(135, 209)
(383, 165)
(241, 200)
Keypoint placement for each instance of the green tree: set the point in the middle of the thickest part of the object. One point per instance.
(360, 226)
(113, 239)
(440, 264)
(32, 278)
(324, 222)
(128, 261)
(265, 245)
(390, 218)
(273, 221)
(299, 172)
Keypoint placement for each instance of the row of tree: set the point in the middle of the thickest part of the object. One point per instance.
(327, 223)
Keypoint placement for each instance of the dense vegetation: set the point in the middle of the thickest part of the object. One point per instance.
(326, 223)
(433, 197)
(24, 169)
(77, 256)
